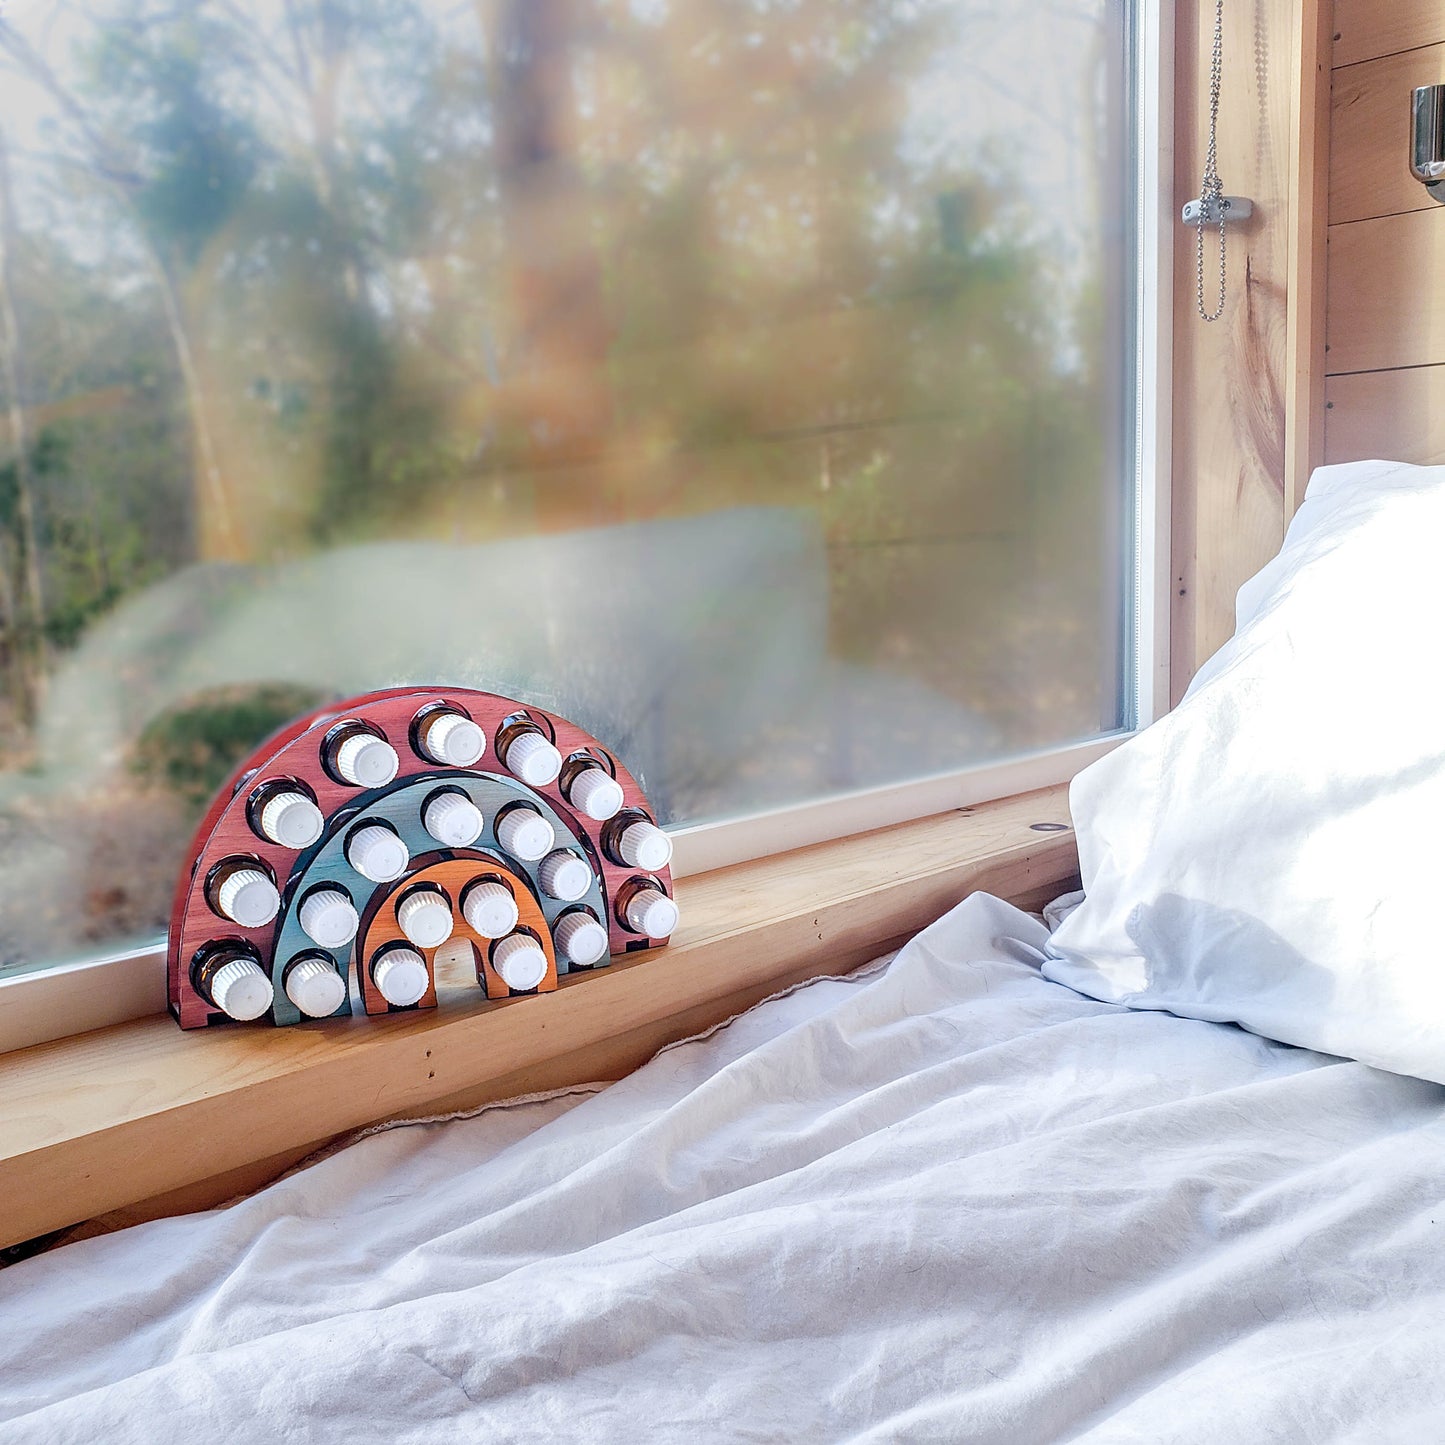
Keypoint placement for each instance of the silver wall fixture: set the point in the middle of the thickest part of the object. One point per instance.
(1427, 151)
(1235, 208)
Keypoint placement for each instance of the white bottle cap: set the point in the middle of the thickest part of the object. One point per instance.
(651, 913)
(520, 961)
(400, 976)
(377, 853)
(533, 759)
(241, 990)
(490, 910)
(526, 834)
(596, 794)
(454, 821)
(367, 761)
(564, 875)
(452, 740)
(315, 987)
(644, 845)
(292, 820)
(328, 917)
(581, 939)
(426, 918)
(248, 897)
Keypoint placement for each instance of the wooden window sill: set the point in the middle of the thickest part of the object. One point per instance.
(139, 1120)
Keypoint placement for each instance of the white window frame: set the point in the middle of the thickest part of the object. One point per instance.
(94, 993)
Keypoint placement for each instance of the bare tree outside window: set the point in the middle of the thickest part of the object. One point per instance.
(732, 375)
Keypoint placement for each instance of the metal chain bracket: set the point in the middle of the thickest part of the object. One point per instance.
(1212, 200)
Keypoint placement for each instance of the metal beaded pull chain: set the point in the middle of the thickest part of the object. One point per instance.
(1211, 190)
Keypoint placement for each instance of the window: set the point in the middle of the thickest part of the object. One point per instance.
(752, 380)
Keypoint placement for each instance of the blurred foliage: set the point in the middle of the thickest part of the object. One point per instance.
(193, 750)
(196, 159)
(296, 275)
(536, 263)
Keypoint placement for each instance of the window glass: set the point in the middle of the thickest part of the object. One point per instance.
(745, 379)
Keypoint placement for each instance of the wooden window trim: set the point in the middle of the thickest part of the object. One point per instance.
(139, 1119)
(1248, 391)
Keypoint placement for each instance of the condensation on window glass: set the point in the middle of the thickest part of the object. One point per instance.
(745, 379)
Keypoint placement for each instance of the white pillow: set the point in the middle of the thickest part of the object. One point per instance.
(1272, 852)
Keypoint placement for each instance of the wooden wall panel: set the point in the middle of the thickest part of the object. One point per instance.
(1391, 414)
(1385, 318)
(1304, 401)
(1385, 308)
(1365, 29)
(1248, 399)
(1370, 113)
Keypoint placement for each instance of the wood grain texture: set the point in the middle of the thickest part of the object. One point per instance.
(1370, 146)
(1304, 443)
(1234, 379)
(1397, 415)
(1385, 308)
(102, 1121)
(1385, 326)
(1365, 29)
(607, 1060)
(205, 1194)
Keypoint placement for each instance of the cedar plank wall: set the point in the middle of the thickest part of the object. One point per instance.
(1385, 389)
(1248, 395)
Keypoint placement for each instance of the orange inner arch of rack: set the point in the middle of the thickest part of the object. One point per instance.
(452, 877)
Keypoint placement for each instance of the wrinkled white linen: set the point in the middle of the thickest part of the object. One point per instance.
(948, 1201)
(1261, 854)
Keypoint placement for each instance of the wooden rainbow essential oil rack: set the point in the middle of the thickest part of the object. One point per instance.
(382, 835)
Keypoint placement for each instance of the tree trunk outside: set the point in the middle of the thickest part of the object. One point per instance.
(559, 329)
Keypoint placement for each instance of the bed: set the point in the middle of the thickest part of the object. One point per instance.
(943, 1199)
(1023, 1181)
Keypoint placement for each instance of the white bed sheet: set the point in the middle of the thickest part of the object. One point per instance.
(946, 1201)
